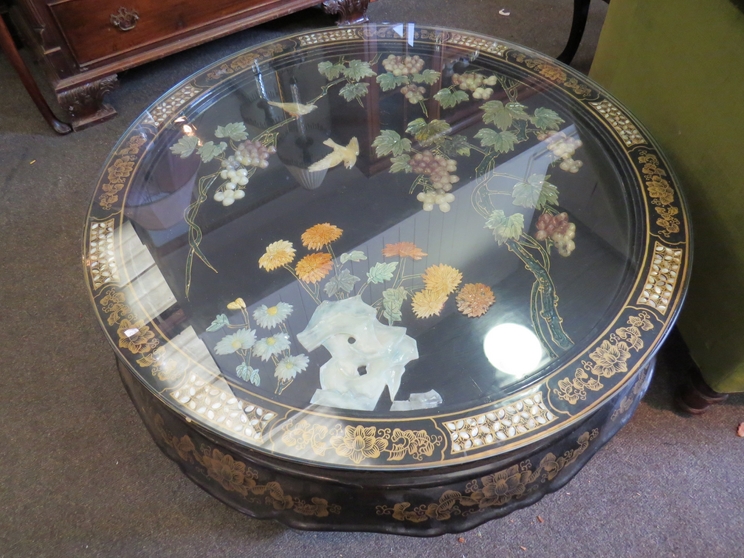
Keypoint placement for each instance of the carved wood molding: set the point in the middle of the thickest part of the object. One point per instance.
(85, 103)
(350, 11)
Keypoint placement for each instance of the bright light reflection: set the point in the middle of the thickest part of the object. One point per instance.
(513, 349)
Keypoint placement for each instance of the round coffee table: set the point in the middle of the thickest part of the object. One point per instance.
(385, 277)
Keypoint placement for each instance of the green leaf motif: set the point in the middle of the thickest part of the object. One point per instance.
(536, 193)
(248, 374)
(503, 142)
(427, 133)
(401, 163)
(390, 141)
(455, 145)
(344, 281)
(502, 115)
(390, 81)
(353, 256)
(185, 146)
(505, 228)
(448, 98)
(546, 119)
(330, 70)
(358, 70)
(352, 91)
(392, 302)
(218, 323)
(381, 272)
(429, 77)
(209, 150)
(235, 131)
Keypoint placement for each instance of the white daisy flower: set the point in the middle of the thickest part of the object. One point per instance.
(242, 339)
(289, 367)
(270, 317)
(270, 346)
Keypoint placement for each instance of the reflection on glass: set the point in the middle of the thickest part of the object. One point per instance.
(513, 349)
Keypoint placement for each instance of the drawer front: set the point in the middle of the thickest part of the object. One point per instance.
(97, 29)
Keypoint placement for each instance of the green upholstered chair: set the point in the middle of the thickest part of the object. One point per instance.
(678, 65)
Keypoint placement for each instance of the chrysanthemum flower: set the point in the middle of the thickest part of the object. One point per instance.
(320, 235)
(289, 367)
(269, 317)
(270, 346)
(428, 303)
(313, 267)
(441, 278)
(242, 339)
(277, 254)
(404, 250)
(474, 299)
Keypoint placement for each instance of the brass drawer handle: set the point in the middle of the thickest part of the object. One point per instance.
(124, 19)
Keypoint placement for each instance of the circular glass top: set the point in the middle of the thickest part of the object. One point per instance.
(386, 247)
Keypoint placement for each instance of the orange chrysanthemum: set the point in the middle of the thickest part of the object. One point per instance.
(277, 254)
(313, 267)
(441, 278)
(404, 250)
(428, 303)
(474, 299)
(320, 235)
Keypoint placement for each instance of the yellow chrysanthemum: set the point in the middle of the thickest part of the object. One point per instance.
(474, 299)
(441, 278)
(320, 235)
(277, 254)
(403, 250)
(313, 267)
(428, 303)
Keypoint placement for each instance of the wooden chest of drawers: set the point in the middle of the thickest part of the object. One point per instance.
(85, 43)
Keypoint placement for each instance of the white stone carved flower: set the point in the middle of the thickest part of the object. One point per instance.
(243, 339)
(290, 366)
(270, 346)
(271, 316)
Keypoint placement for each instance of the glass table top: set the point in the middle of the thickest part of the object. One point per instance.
(386, 247)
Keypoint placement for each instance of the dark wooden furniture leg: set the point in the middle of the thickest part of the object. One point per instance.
(696, 395)
(9, 48)
(580, 15)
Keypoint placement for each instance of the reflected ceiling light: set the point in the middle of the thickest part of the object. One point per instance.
(513, 349)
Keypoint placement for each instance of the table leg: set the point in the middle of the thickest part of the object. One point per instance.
(580, 15)
(6, 42)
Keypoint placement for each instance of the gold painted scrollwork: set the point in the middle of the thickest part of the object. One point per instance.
(119, 171)
(236, 476)
(491, 491)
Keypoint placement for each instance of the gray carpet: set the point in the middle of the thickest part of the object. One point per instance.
(80, 477)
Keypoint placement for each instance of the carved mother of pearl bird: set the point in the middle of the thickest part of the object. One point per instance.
(340, 154)
(295, 109)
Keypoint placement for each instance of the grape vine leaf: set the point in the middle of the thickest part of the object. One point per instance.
(503, 142)
(536, 193)
(330, 70)
(354, 256)
(401, 163)
(390, 81)
(427, 133)
(209, 150)
(389, 141)
(235, 131)
(352, 91)
(381, 272)
(358, 70)
(344, 281)
(448, 98)
(502, 115)
(185, 146)
(546, 119)
(455, 145)
(505, 228)
(218, 323)
(248, 374)
(429, 77)
(392, 302)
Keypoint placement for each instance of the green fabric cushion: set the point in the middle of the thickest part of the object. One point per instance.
(678, 65)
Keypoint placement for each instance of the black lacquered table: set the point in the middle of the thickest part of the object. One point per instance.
(386, 277)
